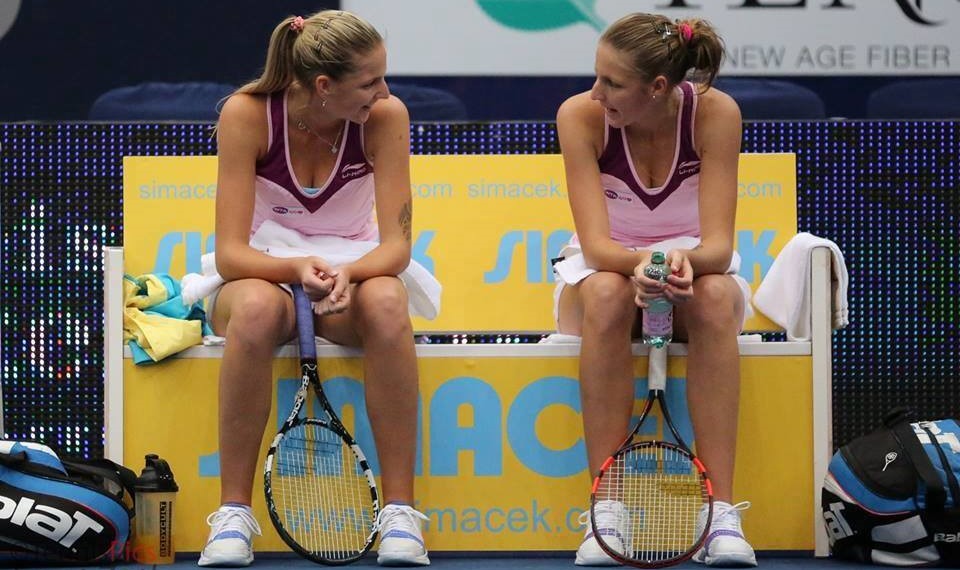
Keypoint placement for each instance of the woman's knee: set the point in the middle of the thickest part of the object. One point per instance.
(608, 297)
(716, 303)
(258, 314)
(382, 306)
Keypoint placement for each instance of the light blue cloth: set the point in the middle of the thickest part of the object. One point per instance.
(167, 304)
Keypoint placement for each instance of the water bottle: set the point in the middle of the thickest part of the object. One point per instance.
(658, 316)
(156, 492)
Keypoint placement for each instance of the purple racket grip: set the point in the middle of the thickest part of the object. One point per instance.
(305, 334)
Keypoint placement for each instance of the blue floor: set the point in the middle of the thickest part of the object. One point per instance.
(526, 561)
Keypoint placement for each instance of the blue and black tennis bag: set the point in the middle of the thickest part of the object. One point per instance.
(54, 510)
(892, 496)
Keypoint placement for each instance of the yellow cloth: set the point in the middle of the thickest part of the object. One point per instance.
(157, 335)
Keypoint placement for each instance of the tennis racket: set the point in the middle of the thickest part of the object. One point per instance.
(651, 492)
(320, 491)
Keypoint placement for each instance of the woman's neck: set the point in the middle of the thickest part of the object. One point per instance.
(307, 107)
(661, 119)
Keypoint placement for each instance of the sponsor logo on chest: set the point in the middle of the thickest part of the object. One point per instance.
(356, 170)
(688, 168)
(284, 211)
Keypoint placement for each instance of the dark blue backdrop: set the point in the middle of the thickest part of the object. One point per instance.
(59, 56)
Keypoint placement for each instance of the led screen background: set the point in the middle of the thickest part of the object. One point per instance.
(888, 193)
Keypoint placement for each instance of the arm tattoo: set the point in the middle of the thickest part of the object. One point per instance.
(406, 221)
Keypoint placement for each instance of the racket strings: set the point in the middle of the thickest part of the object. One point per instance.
(661, 492)
(321, 495)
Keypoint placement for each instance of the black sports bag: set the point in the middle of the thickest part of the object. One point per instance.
(892, 497)
(62, 511)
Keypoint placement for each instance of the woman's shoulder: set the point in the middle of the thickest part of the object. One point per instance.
(388, 111)
(244, 108)
(387, 128)
(714, 103)
(580, 110)
(243, 122)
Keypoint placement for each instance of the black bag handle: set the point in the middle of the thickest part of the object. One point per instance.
(124, 479)
(898, 421)
(13, 460)
(20, 462)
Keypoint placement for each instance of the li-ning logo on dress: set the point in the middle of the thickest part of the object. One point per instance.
(353, 170)
(689, 167)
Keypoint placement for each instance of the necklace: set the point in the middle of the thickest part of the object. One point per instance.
(334, 146)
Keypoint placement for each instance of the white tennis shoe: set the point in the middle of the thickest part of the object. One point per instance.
(401, 541)
(725, 546)
(231, 537)
(612, 524)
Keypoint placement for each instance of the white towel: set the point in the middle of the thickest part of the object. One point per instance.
(273, 239)
(194, 286)
(560, 338)
(573, 269)
(784, 295)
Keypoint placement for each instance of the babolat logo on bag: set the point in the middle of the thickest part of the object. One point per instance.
(51, 519)
(892, 496)
(60, 511)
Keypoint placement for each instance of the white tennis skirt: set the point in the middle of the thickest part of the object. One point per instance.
(573, 269)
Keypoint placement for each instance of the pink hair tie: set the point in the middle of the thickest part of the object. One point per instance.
(297, 24)
(686, 32)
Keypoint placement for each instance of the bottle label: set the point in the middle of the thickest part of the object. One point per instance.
(165, 523)
(658, 324)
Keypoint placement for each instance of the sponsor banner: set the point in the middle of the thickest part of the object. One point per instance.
(766, 218)
(500, 463)
(558, 37)
(168, 213)
(489, 226)
(485, 226)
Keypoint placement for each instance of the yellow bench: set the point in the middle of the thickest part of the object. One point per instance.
(501, 464)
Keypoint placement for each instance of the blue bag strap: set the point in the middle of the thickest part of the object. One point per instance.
(947, 469)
